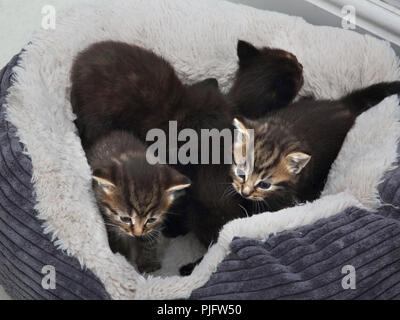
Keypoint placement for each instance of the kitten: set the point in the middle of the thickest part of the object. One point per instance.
(117, 86)
(133, 196)
(211, 203)
(267, 79)
(295, 146)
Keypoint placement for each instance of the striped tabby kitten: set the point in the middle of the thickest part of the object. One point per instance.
(274, 181)
(133, 196)
(295, 146)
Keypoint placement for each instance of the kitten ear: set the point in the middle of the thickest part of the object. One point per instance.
(241, 143)
(178, 187)
(296, 161)
(246, 51)
(240, 126)
(179, 182)
(100, 176)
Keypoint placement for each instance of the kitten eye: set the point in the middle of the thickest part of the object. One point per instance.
(151, 220)
(240, 173)
(264, 185)
(126, 219)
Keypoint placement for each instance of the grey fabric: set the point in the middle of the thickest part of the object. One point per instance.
(24, 249)
(306, 263)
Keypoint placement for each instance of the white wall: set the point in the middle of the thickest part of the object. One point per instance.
(301, 8)
(19, 18)
(308, 11)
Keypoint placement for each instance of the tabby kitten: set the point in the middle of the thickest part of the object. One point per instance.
(133, 196)
(267, 79)
(295, 146)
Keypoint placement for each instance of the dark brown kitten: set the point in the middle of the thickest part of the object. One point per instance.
(267, 79)
(295, 146)
(213, 203)
(116, 86)
(210, 204)
(133, 195)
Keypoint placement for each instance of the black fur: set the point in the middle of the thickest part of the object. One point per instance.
(322, 125)
(267, 79)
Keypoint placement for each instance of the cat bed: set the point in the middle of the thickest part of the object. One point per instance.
(48, 216)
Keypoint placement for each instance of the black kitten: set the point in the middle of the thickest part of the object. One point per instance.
(117, 86)
(267, 79)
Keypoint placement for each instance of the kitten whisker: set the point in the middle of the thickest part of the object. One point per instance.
(225, 191)
(231, 191)
(172, 213)
(244, 209)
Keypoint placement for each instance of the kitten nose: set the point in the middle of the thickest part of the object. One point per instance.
(137, 231)
(246, 191)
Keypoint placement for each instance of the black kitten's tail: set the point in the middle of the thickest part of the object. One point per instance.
(187, 269)
(363, 99)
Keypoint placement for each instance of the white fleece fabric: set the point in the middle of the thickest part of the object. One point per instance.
(199, 38)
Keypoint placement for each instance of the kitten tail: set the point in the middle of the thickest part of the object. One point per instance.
(363, 99)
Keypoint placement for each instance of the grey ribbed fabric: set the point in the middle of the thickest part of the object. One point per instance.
(306, 263)
(24, 249)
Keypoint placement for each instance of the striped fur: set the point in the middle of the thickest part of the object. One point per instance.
(274, 151)
(133, 195)
(295, 146)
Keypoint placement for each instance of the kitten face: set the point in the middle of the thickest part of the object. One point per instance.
(279, 69)
(278, 162)
(135, 196)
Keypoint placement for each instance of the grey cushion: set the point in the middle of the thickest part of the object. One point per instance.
(24, 248)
